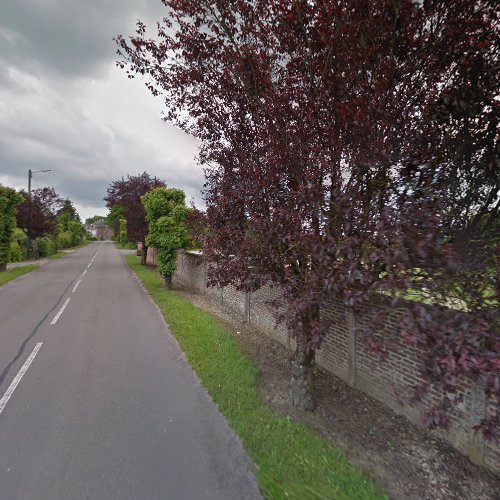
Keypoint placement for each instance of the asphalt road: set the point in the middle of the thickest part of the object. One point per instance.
(97, 401)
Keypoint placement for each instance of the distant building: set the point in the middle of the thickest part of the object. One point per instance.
(100, 230)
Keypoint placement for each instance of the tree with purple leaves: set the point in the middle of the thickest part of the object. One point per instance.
(351, 153)
(46, 204)
(127, 193)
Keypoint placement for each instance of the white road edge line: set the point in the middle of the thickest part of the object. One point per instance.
(56, 317)
(18, 377)
(76, 286)
(84, 273)
(90, 263)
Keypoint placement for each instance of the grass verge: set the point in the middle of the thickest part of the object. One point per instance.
(57, 255)
(125, 246)
(12, 274)
(291, 460)
(81, 245)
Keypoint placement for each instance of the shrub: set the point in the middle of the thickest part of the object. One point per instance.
(46, 246)
(34, 253)
(63, 240)
(15, 252)
(76, 231)
(41, 244)
(51, 247)
(19, 237)
(123, 231)
(9, 200)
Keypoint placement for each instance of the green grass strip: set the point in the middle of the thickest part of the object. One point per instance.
(125, 246)
(81, 245)
(57, 255)
(14, 273)
(292, 461)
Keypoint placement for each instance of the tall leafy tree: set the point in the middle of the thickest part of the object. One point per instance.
(348, 147)
(67, 207)
(115, 214)
(94, 218)
(9, 201)
(166, 213)
(77, 232)
(45, 205)
(126, 193)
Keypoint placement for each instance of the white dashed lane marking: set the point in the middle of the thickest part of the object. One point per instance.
(18, 377)
(58, 315)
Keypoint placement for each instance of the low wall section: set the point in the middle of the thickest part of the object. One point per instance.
(344, 355)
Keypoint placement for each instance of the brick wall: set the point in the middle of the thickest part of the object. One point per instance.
(343, 354)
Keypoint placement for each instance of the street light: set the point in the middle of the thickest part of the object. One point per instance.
(30, 175)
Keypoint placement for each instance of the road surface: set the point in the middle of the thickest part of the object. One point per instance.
(97, 401)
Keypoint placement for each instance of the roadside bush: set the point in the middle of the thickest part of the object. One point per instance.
(9, 200)
(51, 247)
(20, 239)
(19, 235)
(34, 253)
(15, 252)
(63, 240)
(123, 232)
(76, 231)
(41, 244)
(75, 239)
(46, 246)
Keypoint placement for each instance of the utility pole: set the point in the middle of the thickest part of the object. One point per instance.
(28, 242)
(30, 175)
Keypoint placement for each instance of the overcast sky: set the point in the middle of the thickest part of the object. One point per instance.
(65, 106)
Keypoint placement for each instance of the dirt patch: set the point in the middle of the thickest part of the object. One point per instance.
(403, 460)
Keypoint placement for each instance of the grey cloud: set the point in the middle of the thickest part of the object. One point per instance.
(65, 106)
(70, 37)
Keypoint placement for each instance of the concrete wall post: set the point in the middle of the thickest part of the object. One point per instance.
(247, 306)
(351, 347)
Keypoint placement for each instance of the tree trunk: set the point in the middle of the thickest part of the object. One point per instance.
(3, 267)
(144, 255)
(168, 282)
(302, 383)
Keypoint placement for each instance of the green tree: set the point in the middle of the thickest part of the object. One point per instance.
(68, 208)
(9, 200)
(63, 221)
(95, 218)
(116, 212)
(77, 232)
(18, 245)
(127, 194)
(122, 237)
(166, 214)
